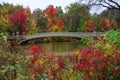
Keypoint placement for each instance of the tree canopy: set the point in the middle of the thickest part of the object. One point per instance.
(109, 4)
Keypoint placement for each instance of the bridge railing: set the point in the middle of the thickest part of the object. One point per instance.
(47, 34)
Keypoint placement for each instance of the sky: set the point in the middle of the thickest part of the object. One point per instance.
(42, 4)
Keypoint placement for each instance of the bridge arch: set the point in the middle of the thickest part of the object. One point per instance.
(60, 34)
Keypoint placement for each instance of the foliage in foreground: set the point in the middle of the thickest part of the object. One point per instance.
(100, 61)
(86, 64)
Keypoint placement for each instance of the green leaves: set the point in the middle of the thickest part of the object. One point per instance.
(85, 41)
(113, 37)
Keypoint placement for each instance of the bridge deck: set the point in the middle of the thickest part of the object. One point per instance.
(58, 34)
(63, 34)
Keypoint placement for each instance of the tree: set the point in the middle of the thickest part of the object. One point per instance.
(10, 9)
(41, 21)
(109, 4)
(75, 16)
(4, 22)
(89, 25)
(107, 23)
(31, 22)
(114, 24)
(54, 23)
(112, 14)
(99, 23)
(6, 10)
(18, 22)
(60, 11)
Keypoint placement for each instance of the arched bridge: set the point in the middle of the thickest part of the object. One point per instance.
(61, 34)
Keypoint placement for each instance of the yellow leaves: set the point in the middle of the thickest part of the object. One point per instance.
(108, 49)
(39, 61)
(78, 54)
(108, 46)
(31, 28)
(55, 29)
(4, 21)
(56, 66)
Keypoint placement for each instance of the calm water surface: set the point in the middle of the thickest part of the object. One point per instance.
(60, 48)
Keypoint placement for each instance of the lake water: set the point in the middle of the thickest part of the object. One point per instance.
(60, 48)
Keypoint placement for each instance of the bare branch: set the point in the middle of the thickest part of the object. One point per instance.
(110, 4)
(115, 3)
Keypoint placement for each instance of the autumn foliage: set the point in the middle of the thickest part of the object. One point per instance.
(27, 12)
(110, 24)
(114, 24)
(18, 22)
(87, 64)
(4, 22)
(107, 24)
(89, 25)
(54, 24)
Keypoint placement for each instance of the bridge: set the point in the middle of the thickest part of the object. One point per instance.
(61, 34)
(25, 38)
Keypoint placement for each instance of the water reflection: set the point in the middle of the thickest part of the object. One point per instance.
(58, 48)
(61, 48)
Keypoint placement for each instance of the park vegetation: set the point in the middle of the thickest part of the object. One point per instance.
(100, 60)
(77, 18)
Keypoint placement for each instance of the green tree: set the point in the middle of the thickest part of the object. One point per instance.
(75, 12)
(41, 21)
(10, 8)
(99, 23)
(60, 11)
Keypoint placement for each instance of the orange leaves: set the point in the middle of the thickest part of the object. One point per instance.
(90, 25)
(103, 24)
(54, 24)
(110, 24)
(50, 11)
(27, 12)
(107, 23)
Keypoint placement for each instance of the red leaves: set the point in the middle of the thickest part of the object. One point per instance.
(36, 50)
(71, 57)
(61, 64)
(79, 66)
(90, 61)
(51, 11)
(61, 23)
(18, 21)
